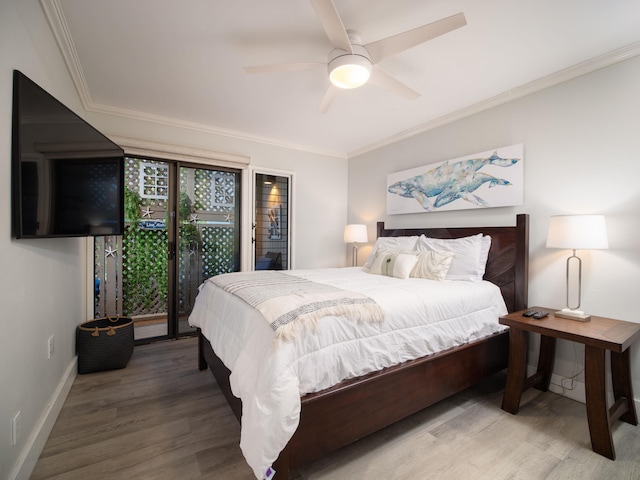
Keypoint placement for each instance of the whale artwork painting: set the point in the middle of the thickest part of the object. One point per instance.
(483, 180)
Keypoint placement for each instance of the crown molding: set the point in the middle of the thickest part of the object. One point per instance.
(569, 73)
(58, 24)
(55, 17)
(200, 127)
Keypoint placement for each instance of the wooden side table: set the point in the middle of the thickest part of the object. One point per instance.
(598, 335)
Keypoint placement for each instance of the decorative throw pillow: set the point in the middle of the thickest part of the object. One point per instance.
(470, 258)
(406, 244)
(393, 264)
(432, 265)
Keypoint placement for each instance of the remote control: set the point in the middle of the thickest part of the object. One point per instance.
(529, 313)
(539, 315)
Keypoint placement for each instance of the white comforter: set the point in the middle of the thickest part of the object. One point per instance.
(421, 317)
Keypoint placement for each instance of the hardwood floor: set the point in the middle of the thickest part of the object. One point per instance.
(161, 418)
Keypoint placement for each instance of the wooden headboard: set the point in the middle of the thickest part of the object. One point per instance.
(508, 261)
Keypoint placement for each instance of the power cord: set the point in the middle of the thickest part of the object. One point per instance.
(569, 383)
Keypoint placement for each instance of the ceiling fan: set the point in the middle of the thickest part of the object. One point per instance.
(351, 64)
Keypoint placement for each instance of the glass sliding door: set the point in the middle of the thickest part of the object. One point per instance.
(145, 246)
(208, 232)
(182, 227)
(271, 222)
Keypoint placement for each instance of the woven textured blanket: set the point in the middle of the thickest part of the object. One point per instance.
(290, 304)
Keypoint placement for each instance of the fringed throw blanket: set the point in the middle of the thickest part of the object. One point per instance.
(289, 303)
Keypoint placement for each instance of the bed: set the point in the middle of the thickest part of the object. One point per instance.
(353, 408)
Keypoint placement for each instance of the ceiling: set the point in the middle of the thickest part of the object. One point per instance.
(181, 63)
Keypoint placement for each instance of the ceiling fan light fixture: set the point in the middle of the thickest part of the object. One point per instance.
(349, 71)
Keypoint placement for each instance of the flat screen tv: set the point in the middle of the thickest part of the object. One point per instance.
(67, 178)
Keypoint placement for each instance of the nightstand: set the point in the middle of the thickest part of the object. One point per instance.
(598, 335)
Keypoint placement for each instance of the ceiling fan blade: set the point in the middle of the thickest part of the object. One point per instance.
(382, 79)
(282, 67)
(332, 24)
(328, 98)
(389, 46)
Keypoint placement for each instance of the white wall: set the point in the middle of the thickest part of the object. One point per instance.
(581, 156)
(42, 282)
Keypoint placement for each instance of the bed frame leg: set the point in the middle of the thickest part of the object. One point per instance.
(202, 363)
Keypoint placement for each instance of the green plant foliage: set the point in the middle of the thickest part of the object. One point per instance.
(189, 234)
(145, 260)
(145, 278)
(132, 203)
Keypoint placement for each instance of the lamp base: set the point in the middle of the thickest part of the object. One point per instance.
(578, 315)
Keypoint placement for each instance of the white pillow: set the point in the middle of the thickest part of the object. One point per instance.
(432, 265)
(485, 245)
(391, 243)
(393, 264)
(470, 258)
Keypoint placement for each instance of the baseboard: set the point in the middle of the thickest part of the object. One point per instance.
(28, 458)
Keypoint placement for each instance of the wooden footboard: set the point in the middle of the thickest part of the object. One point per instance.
(354, 408)
(351, 410)
(327, 418)
(346, 412)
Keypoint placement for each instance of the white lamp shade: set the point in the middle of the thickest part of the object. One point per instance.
(355, 233)
(577, 232)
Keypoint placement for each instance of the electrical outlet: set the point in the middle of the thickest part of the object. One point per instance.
(50, 347)
(16, 428)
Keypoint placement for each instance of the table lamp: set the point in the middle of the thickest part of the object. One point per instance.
(576, 232)
(355, 233)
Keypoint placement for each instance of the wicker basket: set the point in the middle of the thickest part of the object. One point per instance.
(104, 344)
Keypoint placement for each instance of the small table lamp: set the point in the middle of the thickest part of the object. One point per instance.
(576, 232)
(355, 233)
